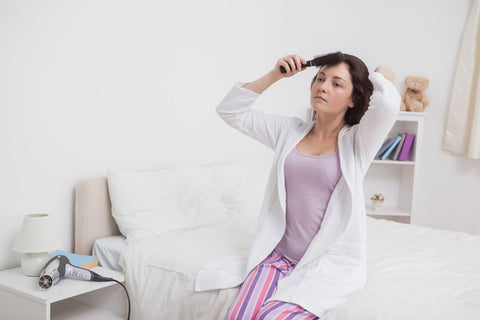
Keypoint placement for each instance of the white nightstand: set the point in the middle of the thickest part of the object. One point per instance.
(22, 298)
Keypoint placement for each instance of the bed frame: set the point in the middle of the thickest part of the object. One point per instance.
(93, 218)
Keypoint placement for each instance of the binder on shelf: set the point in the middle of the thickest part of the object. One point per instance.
(78, 260)
(406, 147)
(396, 140)
(386, 144)
(399, 147)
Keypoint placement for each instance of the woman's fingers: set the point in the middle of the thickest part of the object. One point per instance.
(292, 64)
(295, 63)
(298, 62)
(286, 65)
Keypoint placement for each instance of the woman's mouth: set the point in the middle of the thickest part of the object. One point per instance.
(320, 98)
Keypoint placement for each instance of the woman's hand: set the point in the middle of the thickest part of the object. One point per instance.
(292, 64)
(387, 73)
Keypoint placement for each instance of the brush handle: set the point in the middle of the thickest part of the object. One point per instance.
(309, 64)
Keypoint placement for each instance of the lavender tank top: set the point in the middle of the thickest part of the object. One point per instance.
(309, 183)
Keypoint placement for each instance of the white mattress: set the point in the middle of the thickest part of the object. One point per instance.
(413, 273)
(108, 251)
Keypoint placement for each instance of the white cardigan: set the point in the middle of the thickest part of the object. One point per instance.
(334, 265)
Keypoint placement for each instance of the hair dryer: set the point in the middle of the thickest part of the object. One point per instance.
(59, 267)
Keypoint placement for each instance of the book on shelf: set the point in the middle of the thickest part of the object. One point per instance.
(399, 147)
(396, 140)
(78, 260)
(386, 144)
(403, 156)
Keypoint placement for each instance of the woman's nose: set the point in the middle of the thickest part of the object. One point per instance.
(323, 86)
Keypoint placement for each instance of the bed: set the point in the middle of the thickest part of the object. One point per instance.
(413, 272)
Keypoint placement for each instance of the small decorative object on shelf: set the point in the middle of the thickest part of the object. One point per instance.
(377, 201)
(413, 99)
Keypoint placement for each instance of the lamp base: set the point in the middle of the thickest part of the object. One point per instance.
(33, 263)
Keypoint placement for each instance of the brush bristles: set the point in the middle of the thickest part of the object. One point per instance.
(328, 59)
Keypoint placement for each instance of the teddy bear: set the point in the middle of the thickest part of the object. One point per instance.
(413, 99)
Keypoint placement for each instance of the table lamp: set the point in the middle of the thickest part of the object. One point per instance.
(36, 238)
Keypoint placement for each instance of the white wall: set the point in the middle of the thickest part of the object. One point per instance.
(87, 85)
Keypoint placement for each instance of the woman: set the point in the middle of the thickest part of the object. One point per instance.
(309, 250)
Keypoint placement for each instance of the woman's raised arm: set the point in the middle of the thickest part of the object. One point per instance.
(236, 108)
(380, 117)
(291, 63)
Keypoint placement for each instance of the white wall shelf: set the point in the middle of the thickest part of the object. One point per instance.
(396, 180)
(404, 163)
(388, 211)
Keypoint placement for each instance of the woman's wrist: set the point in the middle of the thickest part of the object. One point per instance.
(275, 75)
(262, 83)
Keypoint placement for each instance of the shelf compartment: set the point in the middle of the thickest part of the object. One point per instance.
(394, 182)
(75, 310)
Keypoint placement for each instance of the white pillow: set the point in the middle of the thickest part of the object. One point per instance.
(242, 187)
(152, 203)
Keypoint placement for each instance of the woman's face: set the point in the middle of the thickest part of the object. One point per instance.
(332, 90)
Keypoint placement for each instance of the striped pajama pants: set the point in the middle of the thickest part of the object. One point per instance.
(259, 286)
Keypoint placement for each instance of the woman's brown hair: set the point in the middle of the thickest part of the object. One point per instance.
(362, 86)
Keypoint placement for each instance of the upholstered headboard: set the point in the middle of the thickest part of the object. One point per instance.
(93, 217)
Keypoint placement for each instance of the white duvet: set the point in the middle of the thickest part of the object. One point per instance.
(413, 273)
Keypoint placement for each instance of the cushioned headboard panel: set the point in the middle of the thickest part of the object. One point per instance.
(93, 218)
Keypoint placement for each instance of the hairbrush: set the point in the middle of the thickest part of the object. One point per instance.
(327, 59)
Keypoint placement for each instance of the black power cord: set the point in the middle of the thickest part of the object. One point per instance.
(128, 298)
(99, 278)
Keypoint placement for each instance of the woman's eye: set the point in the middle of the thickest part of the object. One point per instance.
(319, 79)
(337, 84)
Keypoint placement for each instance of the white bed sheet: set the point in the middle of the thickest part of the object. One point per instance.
(108, 251)
(160, 272)
(414, 273)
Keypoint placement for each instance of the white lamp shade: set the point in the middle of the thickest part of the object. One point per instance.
(37, 234)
